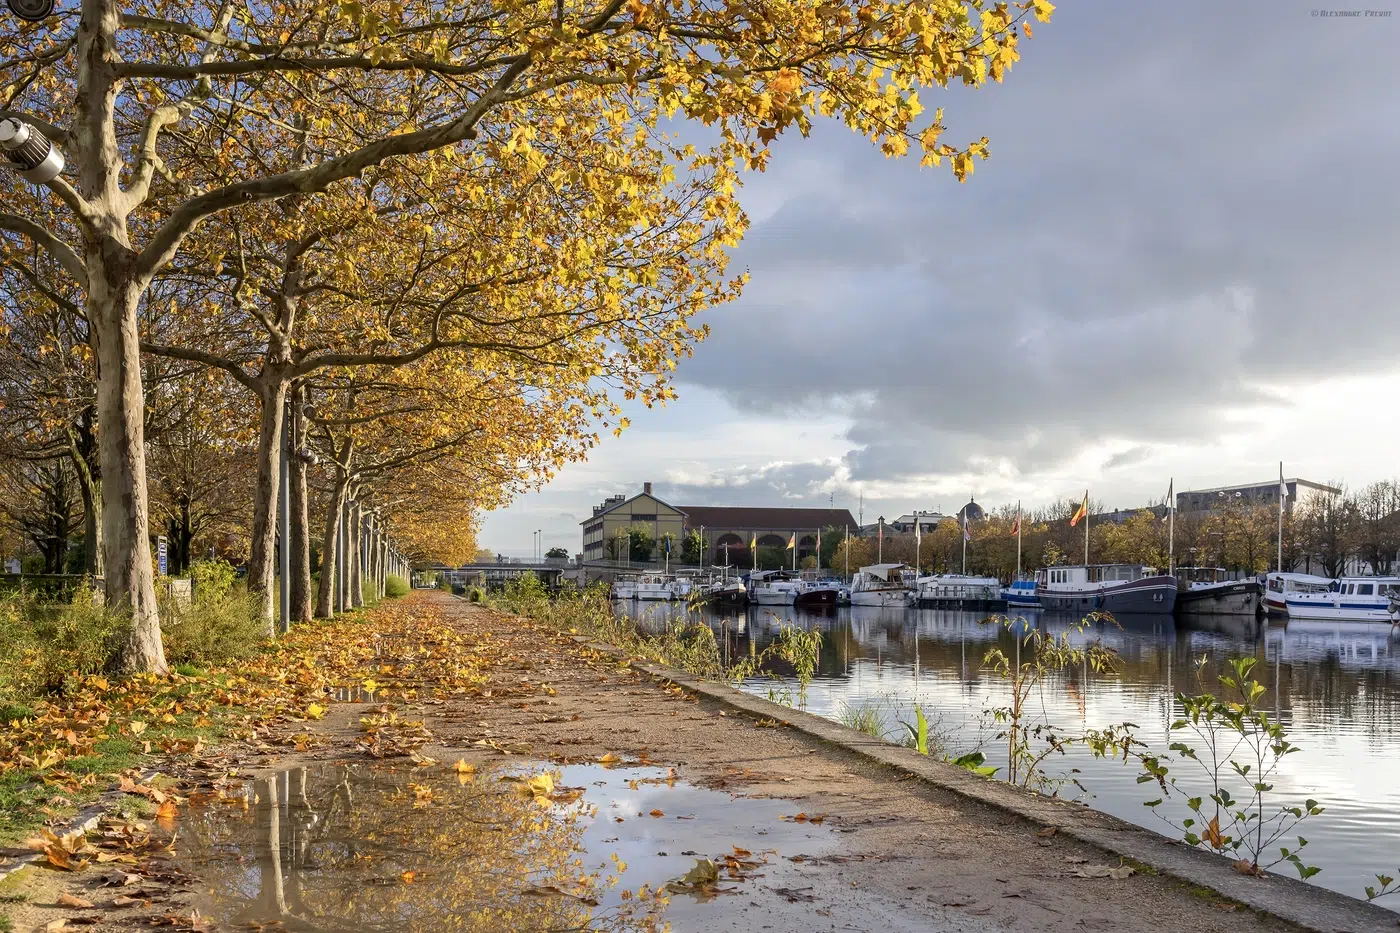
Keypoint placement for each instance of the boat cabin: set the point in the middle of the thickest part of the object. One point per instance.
(1094, 573)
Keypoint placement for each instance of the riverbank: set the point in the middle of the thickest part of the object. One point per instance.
(806, 825)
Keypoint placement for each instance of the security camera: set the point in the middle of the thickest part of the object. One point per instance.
(36, 159)
(308, 456)
(308, 410)
(32, 10)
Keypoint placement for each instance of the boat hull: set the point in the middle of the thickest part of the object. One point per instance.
(1020, 599)
(1339, 609)
(1148, 596)
(818, 596)
(772, 598)
(1239, 598)
(727, 597)
(881, 598)
(655, 597)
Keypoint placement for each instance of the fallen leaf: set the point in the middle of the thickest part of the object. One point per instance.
(71, 900)
(1048, 831)
(315, 711)
(461, 767)
(609, 759)
(407, 877)
(137, 727)
(657, 813)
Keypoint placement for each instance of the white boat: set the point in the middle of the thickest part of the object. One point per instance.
(880, 585)
(1348, 599)
(773, 587)
(1126, 588)
(624, 588)
(654, 587)
(682, 587)
(960, 591)
(1278, 587)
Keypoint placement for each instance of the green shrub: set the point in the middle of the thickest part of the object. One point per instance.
(43, 644)
(211, 580)
(476, 595)
(395, 586)
(211, 632)
(369, 592)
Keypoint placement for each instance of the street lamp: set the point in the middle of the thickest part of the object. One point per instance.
(30, 151)
(32, 10)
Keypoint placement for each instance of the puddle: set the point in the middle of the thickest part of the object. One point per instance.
(528, 847)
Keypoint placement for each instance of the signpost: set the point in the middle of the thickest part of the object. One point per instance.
(161, 553)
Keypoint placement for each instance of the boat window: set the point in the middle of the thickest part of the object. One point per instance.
(1363, 589)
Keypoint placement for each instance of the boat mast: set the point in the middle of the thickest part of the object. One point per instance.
(964, 566)
(918, 543)
(1171, 527)
(846, 547)
(1282, 494)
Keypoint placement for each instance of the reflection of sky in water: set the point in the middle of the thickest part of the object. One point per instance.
(1335, 688)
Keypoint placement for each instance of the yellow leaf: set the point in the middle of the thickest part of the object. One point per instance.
(315, 711)
(136, 727)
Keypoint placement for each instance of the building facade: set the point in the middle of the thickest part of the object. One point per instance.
(726, 532)
(605, 532)
(1265, 493)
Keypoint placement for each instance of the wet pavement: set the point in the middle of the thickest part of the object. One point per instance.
(618, 846)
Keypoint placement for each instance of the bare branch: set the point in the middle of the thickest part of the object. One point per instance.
(59, 250)
(208, 359)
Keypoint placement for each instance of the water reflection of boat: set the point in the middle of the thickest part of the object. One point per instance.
(1211, 591)
(1363, 645)
(880, 585)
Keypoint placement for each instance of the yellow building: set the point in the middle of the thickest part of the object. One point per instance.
(605, 533)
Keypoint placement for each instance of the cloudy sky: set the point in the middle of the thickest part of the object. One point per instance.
(1182, 260)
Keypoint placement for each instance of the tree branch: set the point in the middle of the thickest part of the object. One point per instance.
(59, 250)
(208, 359)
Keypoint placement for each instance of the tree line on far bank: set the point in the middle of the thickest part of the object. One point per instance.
(1325, 534)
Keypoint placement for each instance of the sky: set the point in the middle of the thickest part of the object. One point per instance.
(1181, 263)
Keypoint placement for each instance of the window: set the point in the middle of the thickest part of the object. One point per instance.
(1363, 589)
(642, 517)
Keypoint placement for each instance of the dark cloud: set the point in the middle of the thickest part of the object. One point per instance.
(1184, 201)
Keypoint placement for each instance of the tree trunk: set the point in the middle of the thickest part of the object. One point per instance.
(82, 449)
(130, 576)
(263, 546)
(326, 589)
(356, 553)
(300, 530)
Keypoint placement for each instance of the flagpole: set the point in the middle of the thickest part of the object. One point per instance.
(1282, 494)
(880, 542)
(918, 544)
(964, 567)
(1018, 540)
(1086, 528)
(846, 542)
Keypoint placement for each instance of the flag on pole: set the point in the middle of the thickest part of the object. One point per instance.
(1282, 486)
(967, 536)
(1080, 512)
(1016, 525)
(753, 541)
(792, 541)
(1171, 499)
(918, 530)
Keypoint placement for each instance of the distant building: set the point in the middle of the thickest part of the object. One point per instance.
(731, 528)
(973, 512)
(1265, 493)
(605, 532)
(726, 530)
(928, 522)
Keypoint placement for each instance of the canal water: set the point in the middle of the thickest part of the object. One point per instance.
(1335, 689)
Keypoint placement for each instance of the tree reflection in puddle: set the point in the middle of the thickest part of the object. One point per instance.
(359, 848)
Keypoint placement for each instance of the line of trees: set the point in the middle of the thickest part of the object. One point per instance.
(1325, 534)
(445, 238)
